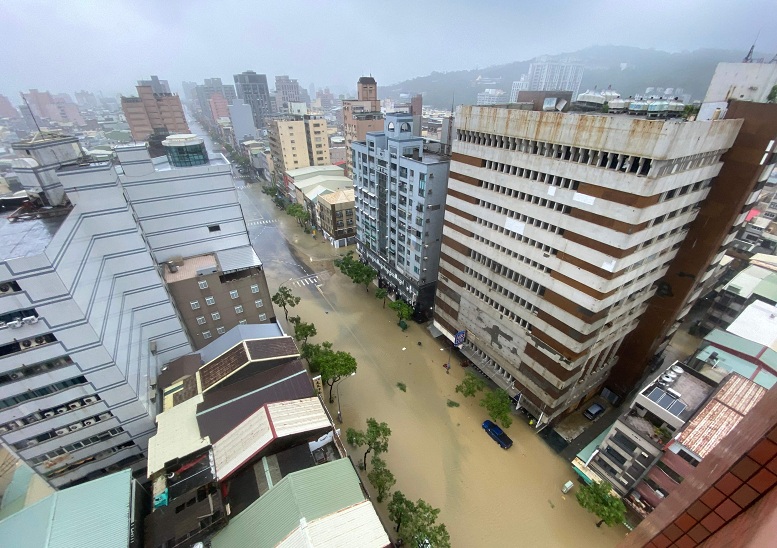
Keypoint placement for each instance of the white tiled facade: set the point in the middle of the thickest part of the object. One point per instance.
(557, 227)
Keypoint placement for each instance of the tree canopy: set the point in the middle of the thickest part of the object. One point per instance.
(332, 365)
(359, 272)
(404, 311)
(299, 212)
(375, 437)
(381, 477)
(381, 293)
(470, 385)
(399, 507)
(419, 527)
(303, 331)
(285, 298)
(499, 406)
(598, 499)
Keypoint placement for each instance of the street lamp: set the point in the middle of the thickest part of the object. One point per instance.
(339, 413)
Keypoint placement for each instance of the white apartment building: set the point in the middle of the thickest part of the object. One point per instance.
(85, 321)
(556, 76)
(558, 229)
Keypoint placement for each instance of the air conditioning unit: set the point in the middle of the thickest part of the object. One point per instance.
(61, 431)
(61, 410)
(16, 324)
(104, 416)
(152, 395)
(5, 288)
(75, 405)
(89, 422)
(30, 319)
(89, 399)
(75, 426)
(16, 375)
(26, 343)
(3, 429)
(31, 443)
(48, 414)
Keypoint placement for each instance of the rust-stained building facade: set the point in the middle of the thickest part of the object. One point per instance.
(559, 228)
(217, 291)
(150, 113)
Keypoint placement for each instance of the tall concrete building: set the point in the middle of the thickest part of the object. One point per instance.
(53, 108)
(559, 230)
(360, 116)
(298, 141)
(219, 107)
(556, 76)
(400, 200)
(157, 85)
(85, 319)
(242, 121)
(252, 89)
(520, 85)
(7, 110)
(287, 90)
(151, 113)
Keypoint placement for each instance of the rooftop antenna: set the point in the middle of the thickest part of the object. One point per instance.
(31, 113)
(749, 57)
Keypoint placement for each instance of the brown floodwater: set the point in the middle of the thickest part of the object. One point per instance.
(487, 496)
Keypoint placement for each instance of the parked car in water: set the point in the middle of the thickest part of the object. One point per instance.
(594, 411)
(498, 434)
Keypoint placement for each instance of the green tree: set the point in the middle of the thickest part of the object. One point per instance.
(375, 437)
(312, 352)
(381, 477)
(399, 507)
(303, 331)
(298, 212)
(418, 527)
(499, 406)
(285, 298)
(359, 272)
(470, 385)
(404, 311)
(772, 97)
(381, 293)
(598, 499)
(332, 365)
(270, 190)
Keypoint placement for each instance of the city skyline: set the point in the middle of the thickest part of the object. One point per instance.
(242, 40)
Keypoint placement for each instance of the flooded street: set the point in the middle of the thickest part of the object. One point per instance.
(487, 496)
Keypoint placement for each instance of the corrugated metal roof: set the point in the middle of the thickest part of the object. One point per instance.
(238, 334)
(307, 495)
(237, 258)
(357, 525)
(721, 414)
(93, 514)
(177, 435)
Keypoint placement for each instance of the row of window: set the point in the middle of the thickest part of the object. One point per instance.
(221, 329)
(40, 392)
(43, 414)
(536, 200)
(532, 175)
(512, 275)
(94, 458)
(512, 214)
(63, 431)
(238, 310)
(515, 255)
(492, 285)
(499, 307)
(210, 301)
(35, 369)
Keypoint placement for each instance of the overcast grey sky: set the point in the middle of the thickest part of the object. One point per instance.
(63, 46)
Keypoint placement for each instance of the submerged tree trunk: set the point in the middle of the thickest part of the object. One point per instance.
(600, 523)
(364, 464)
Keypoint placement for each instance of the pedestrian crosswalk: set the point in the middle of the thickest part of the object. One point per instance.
(308, 280)
(261, 222)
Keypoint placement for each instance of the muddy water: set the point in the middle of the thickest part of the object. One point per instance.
(488, 496)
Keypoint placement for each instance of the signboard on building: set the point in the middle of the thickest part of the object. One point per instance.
(459, 338)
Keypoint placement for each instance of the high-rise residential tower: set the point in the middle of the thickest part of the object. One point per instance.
(287, 90)
(360, 116)
(562, 75)
(297, 141)
(559, 228)
(400, 197)
(252, 89)
(153, 113)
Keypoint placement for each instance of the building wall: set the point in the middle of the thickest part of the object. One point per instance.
(154, 111)
(338, 220)
(252, 88)
(556, 228)
(97, 291)
(242, 121)
(208, 322)
(356, 124)
(317, 141)
(288, 145)
(219, 108)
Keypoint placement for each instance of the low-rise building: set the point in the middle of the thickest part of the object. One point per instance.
(753, 283)
(336, 216)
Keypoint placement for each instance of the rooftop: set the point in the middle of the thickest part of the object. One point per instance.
(177, 435)
(757, 323)
(30, 234)
(749, 280)
(734, 399)
(339, 196)
(319, 506)
(754, 352)
(225, 261)
(314, 170)
(93, 514)
(190, 266)
(692, 393)
(238, 334)
(724, 363)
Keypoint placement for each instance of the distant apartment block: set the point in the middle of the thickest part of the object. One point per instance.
(287, 91)
(151, 113)
(400, 193)
(337, 215)
(157, 85)
(252, 88)
(520, 85)
(360, 116)
(492, 97)
(219, 107)
(556, 76)
(297, 142)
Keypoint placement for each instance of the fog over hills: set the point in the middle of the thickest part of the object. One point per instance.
(628, 70)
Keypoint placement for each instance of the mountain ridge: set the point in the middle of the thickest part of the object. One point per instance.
(627, 69)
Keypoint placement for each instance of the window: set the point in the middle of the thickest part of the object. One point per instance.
(215, 316)
(243, 322)
(233, 294)
(239, 309)
(206, 334)
(262, 317)
(195, 304)
(259, 303)
(255, 288)
(685, 455)
(201, 320)
(210, 301)
(214, 228)
(220, 330)
(203, 284)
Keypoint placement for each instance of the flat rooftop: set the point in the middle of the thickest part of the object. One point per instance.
(693, 392)
(30, 235)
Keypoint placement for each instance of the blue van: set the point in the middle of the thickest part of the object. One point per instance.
(498, 434)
